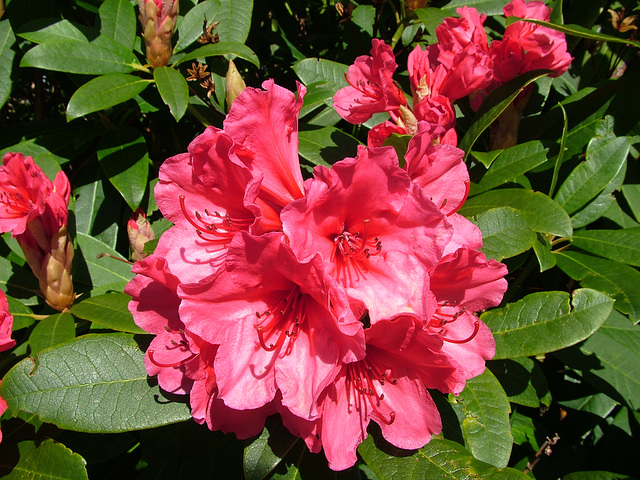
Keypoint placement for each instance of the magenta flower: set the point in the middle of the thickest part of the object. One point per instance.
(389, 386)
(6, 325)
(374, 229)
(35, 211)
(371, 87)
(280, 325)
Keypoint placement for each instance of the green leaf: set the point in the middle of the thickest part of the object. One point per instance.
(326, 146)
(18, 281)
(318, 94)
(523, 381)
(235, 20)
(505, 233)
(100, 271)
(605, 158)
(109, 310)
(48, 460)
(364, 16)
(118, 21)
(620, 245)
(488, 7)
(546, 321)
(613, 278)
(576, 31)
(510, 164)
(222, 48)
(95, 383)
(53, 330)
(541, 212)
(104, 92)
(124, 160)
(173, 89)
(40, 31)
(191, 26)
(431, 18)
(438, 460)
(7, 39)
(23, 316)
(74, 56)
(486, 428)
(542, 249)
(632, 196)
(495, 104)
(264, 453)
(617, 347)
(595, 475)
(321, 71)
(560, 157)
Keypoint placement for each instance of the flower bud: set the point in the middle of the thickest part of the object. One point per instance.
(140, 232)
(235, 84)
(158, 18)
(415, 4)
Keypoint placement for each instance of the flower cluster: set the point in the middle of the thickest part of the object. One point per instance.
(35, 211)
(332, 301)
(462, 63)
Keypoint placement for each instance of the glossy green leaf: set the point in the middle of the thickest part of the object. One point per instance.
(620, 245)
(438, 460)
(264, 453)
(109, 310)
(95, 383)
(53, 330)
(124, 160)
(222, 48)
(364, 16)
(191, 26)
(47, 460)
(326, 145)
(613, 278)
(40, 31)
(596, 475)
(632, 196)
(577, 31)
(74, 56)
(523, 381)
(600, 205)
(7, 39)
(546, 321)
(605, 158)
(173, 89)
(510, 164)
(489, 7)
(619, 217)
(431, 18)
(118, 21)
(505, 233)
(100, 270)
(542, 249)
(321, 71)
(486, 428)
(235, 20)
(495, 104)
(617, 347)
(541, 212)
(18, 281)
(104, 92)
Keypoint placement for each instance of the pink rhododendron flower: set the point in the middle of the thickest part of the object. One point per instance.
(35, 211)
(371, 87)
(271, 312)
(455, 34)
(6, 325)
(389, 386)
(374, 228)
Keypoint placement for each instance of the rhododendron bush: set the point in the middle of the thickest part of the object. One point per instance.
(383, 239)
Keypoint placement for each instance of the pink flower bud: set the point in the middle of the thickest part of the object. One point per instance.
(35, 211)
(234, 84)
(140, 232)
(158, 18)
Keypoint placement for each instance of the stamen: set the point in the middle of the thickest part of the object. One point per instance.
(282, 321)
(360, 380)
(351, 250)
(169, 365)
(220, 226)
(476, 328)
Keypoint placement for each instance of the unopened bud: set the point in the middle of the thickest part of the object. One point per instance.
(235, 84)
(140, 232)
(158, 18)
(409, 120)
(55, 278)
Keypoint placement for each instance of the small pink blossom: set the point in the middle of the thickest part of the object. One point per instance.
(371, 87)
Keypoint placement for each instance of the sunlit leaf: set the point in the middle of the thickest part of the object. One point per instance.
(48, 460)
(109, 310)
(53, 330)
(505, 233)
(7, 39)
(118, 21)
(173, 89)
